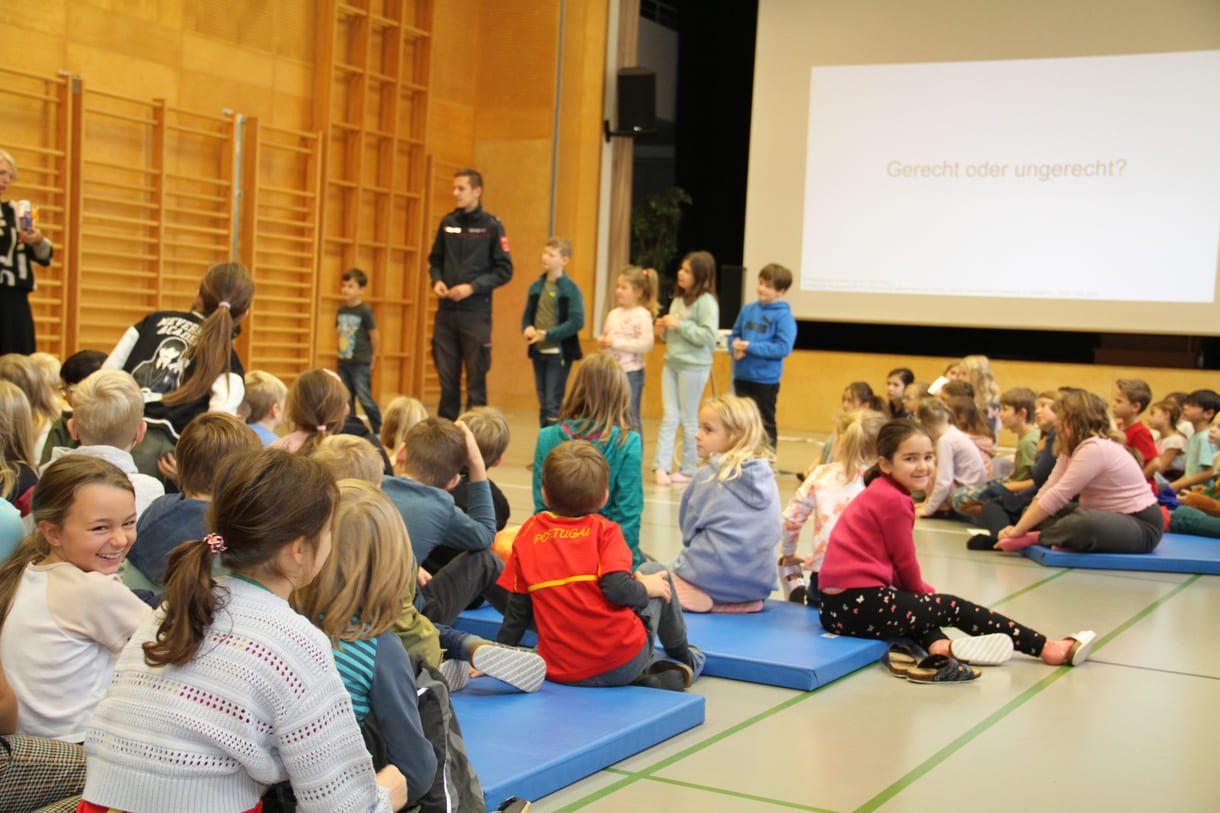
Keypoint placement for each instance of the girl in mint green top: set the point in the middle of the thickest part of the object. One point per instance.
(689, 331)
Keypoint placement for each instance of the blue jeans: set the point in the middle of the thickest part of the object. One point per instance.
(550, 378)
(635, 379)
(681, 392)
(357, 378)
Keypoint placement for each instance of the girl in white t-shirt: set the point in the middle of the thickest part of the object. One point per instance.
(628, 334)
(1171, 444)
(66, 614)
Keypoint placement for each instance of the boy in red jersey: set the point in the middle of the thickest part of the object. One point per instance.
(570, 573)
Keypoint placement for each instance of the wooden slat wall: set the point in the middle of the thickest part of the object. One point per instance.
(280, 231)
(155, 197)
(38, 122)
(372, 97)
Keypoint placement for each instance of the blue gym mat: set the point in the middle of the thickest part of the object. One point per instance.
(1176, 553)
(784, 645)
(529, 745)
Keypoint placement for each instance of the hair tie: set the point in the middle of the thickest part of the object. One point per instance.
(322, 428)
(215, 543)
(224, 305)
(644, 271)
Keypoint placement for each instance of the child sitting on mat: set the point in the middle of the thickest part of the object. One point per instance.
(570, 573)
(730, 514)
(824, 495)
(959, 462)
(872, 587)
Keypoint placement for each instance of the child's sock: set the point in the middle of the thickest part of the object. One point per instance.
(1014, 543)
(737, 607)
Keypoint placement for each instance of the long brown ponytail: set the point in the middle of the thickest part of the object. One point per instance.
(226, 293)
(261, 501)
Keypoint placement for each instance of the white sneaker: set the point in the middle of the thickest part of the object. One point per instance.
(982, 650)
(523, 669)
(456, 674)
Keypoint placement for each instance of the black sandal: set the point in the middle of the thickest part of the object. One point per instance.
(942, 669)
(902, 656)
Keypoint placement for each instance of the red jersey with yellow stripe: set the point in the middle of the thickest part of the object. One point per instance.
(559, 561)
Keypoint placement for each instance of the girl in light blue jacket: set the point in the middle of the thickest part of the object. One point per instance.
(730, 515)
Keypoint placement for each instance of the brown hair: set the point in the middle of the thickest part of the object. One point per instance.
(1136, 391)
(401, 414)
(703, 270)
(862, 393)
(891, 437)
(53, 498)
(261, 501)
(204, 442)
(473, 176)
(643, 280)
(1172, 409)
(358, 594)
(930, 412)
(575, 476)
(28, 376)
(107, 409)
(967, 418)
(563, 244)
(1082, 415)
(436, 451)
(957, 389)
(209, 354)
(779, 277)
(317, 404)
(263, 391)
(490, 430)
(350, 457)
(1020, 398)
(599, 397)
(16, 435)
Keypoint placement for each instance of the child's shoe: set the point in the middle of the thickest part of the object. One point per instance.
(992, 649)
(672, 675)
(456, 674)
(523, 669)
(792, 579)
(513, 805)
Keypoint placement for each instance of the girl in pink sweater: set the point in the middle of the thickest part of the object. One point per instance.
(871, 584)
(627, 334)
(1117, 513)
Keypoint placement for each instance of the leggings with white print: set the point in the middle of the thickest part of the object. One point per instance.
(884, 613)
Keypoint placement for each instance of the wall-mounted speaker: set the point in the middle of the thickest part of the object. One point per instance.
(637, 102)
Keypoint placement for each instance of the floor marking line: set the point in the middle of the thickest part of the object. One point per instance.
(1155, 669)
(1008, 708)
(739, 795)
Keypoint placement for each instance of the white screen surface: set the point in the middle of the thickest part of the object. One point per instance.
(967, 47)
(1051, 178)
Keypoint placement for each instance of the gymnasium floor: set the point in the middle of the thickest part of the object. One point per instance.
(1136, 729)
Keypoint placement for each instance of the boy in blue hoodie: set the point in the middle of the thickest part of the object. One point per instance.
(762, 338)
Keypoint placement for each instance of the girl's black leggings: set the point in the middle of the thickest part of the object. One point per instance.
(884, 612)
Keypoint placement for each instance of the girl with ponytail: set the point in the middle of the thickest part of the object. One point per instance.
(227, 685)
(317, 406)
(184, 361)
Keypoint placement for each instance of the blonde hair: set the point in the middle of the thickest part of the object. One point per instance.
(4, 156)
(643, 280)
(263, 391)
(107, 409)
(401, 414)
(40, 390)
(359, 592)
(48, 366)
(743, 422)
(599, 397)
(317, 404)
(16, 435)
(490, 430)
(350, 458)
(855, 444)
(986, 390)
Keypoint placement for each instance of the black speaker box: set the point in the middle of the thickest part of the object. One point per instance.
(637, 99)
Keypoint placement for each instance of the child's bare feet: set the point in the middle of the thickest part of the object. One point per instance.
(1056, 652)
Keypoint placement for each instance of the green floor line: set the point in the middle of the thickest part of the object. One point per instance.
(1033, 586)
(739, 795)
(1008, 708)
(646, 773)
